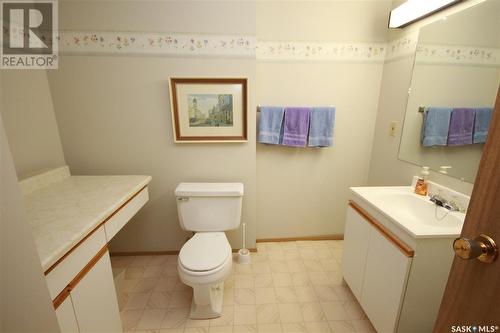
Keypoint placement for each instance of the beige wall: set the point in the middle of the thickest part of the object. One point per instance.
(25, 303)
(385, 167)
(313, 20)
(114, 118)
(304, 192)
(30, 122)
(184, 16)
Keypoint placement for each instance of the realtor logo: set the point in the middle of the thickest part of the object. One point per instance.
(29, 38)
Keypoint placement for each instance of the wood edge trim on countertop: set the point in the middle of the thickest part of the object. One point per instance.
(305, 238)
(402, 246)
(92, 232)
(67, 290)
(157, 253)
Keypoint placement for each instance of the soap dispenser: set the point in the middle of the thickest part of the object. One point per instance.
(421, 186)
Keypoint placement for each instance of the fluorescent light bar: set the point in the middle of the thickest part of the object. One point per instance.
(414, 10)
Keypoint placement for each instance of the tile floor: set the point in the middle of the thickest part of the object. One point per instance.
(288, 287)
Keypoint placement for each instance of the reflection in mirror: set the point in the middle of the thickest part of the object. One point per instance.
(453, 89)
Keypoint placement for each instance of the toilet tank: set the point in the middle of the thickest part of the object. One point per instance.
(209, 206)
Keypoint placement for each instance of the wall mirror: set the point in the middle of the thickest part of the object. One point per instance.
(457, 66)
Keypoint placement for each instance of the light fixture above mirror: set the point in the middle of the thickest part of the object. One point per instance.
(414, 10)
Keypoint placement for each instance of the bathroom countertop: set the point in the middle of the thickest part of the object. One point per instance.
(65, 210)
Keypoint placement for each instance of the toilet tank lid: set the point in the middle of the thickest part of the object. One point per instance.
(209, 190)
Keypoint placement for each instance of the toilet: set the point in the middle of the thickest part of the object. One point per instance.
(205, 260)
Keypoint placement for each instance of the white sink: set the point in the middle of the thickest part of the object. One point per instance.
(416, 214)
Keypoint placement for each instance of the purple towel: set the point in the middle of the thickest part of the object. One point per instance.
(461, 127)
(296, 127)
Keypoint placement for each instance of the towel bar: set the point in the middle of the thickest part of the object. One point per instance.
(258, 107)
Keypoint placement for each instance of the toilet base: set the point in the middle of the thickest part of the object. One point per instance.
(207, 301)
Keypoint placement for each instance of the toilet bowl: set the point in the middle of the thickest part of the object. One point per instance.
(204, 263)
(205, 260)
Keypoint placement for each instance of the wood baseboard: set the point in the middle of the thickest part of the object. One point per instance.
(156, 253)
(305, 238)
(142, 253)
(252, 249)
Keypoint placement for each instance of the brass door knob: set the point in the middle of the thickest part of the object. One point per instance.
(482, 247)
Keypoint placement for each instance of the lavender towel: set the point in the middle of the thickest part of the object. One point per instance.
(461, 127)
(296, 126)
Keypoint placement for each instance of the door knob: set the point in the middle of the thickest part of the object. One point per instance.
(482, 247)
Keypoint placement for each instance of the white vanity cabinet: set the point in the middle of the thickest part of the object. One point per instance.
(81, 283)
(94, 299)
(88, 303)
(356, 241)
(73, 219)
(66, 316)
(375, 266)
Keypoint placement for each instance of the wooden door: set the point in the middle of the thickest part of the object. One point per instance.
(472, 295)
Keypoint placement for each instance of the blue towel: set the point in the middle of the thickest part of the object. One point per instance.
(321, 127)
(481, 124)
(435, 127)
(271, 119)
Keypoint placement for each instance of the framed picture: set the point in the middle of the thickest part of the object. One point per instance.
(209, 109)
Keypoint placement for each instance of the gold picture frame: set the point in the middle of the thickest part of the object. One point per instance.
(209, 109)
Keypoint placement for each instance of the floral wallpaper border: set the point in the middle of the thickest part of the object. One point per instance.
(175, 44)
(314, 51)
(136, 43)
(457, 55)
(402, 47)
(130, 43)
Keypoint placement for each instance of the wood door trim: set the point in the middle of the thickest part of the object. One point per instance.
(305, 238)
(91, 232)
(67, 290)
(389, 235)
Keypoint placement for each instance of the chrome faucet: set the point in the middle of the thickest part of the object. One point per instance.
(440, 201)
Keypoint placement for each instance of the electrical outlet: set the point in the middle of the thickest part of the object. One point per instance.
(393, 126)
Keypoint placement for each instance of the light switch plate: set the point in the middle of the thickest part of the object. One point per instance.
(393, 127)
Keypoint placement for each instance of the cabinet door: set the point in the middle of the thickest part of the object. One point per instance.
(94, 299)
(66, 317)
(384, 284)
(356, 237)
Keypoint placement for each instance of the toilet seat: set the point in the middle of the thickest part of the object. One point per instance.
(205, 251)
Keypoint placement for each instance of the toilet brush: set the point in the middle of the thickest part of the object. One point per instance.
(244, 253)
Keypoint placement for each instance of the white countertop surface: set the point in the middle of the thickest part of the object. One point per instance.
(415, 214)
(65, 211)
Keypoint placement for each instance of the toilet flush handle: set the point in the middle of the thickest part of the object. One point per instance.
(182, 199)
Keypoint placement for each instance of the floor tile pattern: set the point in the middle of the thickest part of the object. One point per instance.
(288, 287)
